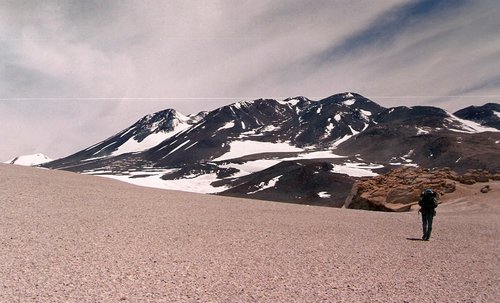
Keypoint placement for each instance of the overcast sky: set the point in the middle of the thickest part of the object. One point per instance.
(73, 73)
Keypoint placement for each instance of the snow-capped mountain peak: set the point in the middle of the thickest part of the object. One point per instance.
(295, 100)
(147, 132)
(165, 120)
(153, 129)
(211, 151)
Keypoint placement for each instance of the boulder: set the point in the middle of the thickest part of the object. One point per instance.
(448, 186)
(485, 189)
(400, 189)
(403, 195)
(477, 175)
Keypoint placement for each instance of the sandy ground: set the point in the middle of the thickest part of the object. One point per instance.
(71, 238)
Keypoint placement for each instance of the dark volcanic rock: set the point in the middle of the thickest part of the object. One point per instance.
(428, 137)
(302, 182)
(487, 115)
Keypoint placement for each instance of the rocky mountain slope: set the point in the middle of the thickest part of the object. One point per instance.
(428, 137)
(487, 115)
(295, 150)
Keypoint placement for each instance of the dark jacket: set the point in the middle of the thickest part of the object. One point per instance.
(428, 202)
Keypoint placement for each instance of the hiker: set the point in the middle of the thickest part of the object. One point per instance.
(427, 203)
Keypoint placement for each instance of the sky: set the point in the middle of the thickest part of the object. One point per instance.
(73, 73)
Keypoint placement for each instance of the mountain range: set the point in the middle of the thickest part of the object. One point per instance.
(295, 150)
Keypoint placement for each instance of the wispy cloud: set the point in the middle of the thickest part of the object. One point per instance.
(389, 26)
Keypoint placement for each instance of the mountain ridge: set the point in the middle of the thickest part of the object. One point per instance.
(210, 151)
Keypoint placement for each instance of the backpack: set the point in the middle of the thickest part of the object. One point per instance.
(428, 201)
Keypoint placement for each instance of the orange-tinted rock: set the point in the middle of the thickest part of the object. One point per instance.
(400, 188)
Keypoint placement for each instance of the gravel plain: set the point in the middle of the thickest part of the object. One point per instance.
(66, 237)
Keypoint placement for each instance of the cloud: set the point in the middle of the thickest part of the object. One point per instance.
(184, 49)
(388, 27)
(417, 49)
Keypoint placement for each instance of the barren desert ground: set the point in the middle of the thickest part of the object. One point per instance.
(66, 237)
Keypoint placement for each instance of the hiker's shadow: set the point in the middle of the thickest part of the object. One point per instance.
(414, 239)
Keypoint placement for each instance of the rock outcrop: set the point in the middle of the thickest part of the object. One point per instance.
(400, 189)
(485, 189)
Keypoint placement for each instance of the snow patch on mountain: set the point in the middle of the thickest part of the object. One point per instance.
(292, 102)
(239, 149)
(270, 128)
(29, 160)
(177, 148)
(226, 126)
(321, 154)
(328, 129)
(324, 195)
(250, 167)
(132, 145)
(365, 113)
(318, 111)
(194, 183)
(404, 160)
(356, 169)
(468, 126)
(124, 133)
(191, 145)
(423, 130)
(349, 102)
(341, 140)
(265, 185)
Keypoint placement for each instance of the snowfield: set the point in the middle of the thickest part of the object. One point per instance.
(202, 183)
(29, 160)
(195, 184)
(469, 126)
(132, 145)
(240, 149)
(356, 169)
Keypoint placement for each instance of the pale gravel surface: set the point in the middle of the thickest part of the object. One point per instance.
(72, 238)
